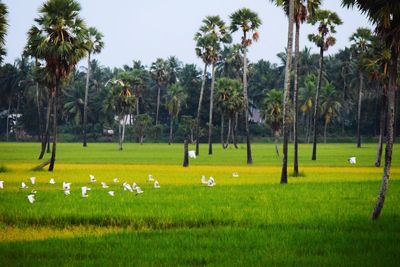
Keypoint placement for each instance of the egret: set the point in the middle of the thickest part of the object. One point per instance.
(52, 181)
(111, 193)
(352, 160)
(134, 186)
(127, 187)
(192, 154)
(115, 180)
(23, 185)
(1, 184)
(84, 191)
(138, 190)
(33, 180)
(211, 182)
(66, 186)
(156, 184)
(203, 180)
(104, 185)
(92, 178)
(67, 192)
(31, 198)
(235, 175)
(151, 179)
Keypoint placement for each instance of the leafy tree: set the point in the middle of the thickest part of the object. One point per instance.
(174, 100)
(327, 21)
(142, 126)
(94, 45)
(58, 39)
(248, 21)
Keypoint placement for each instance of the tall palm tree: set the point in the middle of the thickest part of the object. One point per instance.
(330, 105)
(272, 112)
(160, 72)
(211, 35)
(174, 100)
(94, 45)
(58, 39)
(386, 17)
(174, 67)
(302, 9)
(248, 21)
(3, 29)
(361, 41)
(327, 21)
(307, 95)
(139, 76)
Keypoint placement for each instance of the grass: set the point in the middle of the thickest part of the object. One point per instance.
(319, 219)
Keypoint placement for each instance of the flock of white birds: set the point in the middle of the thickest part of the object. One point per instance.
(66, 186)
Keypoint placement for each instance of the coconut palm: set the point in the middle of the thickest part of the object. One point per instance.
(211, 35)
(272, 113)
(3, 29)
(361, 41)
(58, 39)
(386, 17)
(160, 72)
(327, 21)
(330, 105)
(248, 21)
(174, 100)
(94, 45)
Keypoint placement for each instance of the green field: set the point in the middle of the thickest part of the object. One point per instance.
(319, 219)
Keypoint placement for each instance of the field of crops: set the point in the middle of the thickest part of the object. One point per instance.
(320, 218)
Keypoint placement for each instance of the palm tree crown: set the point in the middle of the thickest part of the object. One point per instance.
(248, 21)
(3, 29)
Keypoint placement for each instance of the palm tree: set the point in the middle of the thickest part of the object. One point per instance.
(302, 9)
(307, 95)
(386, 16)
(327, 21)
(330, 105)
(94, 45)
(139, 76)
(211, 35)
(58, 39)
(3, 29)
(174, 99)
(248, 21)
(174, 67)
(271, 111)
(160, 72)
(361, 41)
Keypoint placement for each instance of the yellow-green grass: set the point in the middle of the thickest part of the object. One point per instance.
(321, 218)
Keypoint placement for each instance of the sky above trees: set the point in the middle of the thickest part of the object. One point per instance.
(146, 30)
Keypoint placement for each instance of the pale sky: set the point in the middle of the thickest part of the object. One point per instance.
(147, 29)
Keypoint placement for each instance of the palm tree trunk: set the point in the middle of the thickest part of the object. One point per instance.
(246, 105)
(316, 103)
(170, 130)
(286, 94)
(325, 126)
(120, 132)
(203, 82)
(235, 130)
(229, 131)
(343, 98)
(391, 117)
(86, 103)
(39, 115)
(158, 103)
(222, 130)
(8, 120)
(53, 150)
(210, 115)
(186, 153)
(359, 109)
(123, 131)
(382, 123)
(295, 99)
(137, 105)
(46, 133)
(276, 140)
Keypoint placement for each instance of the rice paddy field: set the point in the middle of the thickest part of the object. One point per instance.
(321, 218)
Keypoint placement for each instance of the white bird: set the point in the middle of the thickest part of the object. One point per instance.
(1, 184)
(211, 182)
(203, 180)
(151, 179)
(352, 160)
(33, 180)
(23, 185)
(52, 181)
(111, 193)
(134, 186)
(138, 190)
(66, 186)
(192, 154)
(31, 198)
(104, 185)
(67, 192)
(116, 180)
(127, 187)
(92, 178)
(84, 191)
(156, 184)
(235, 174)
